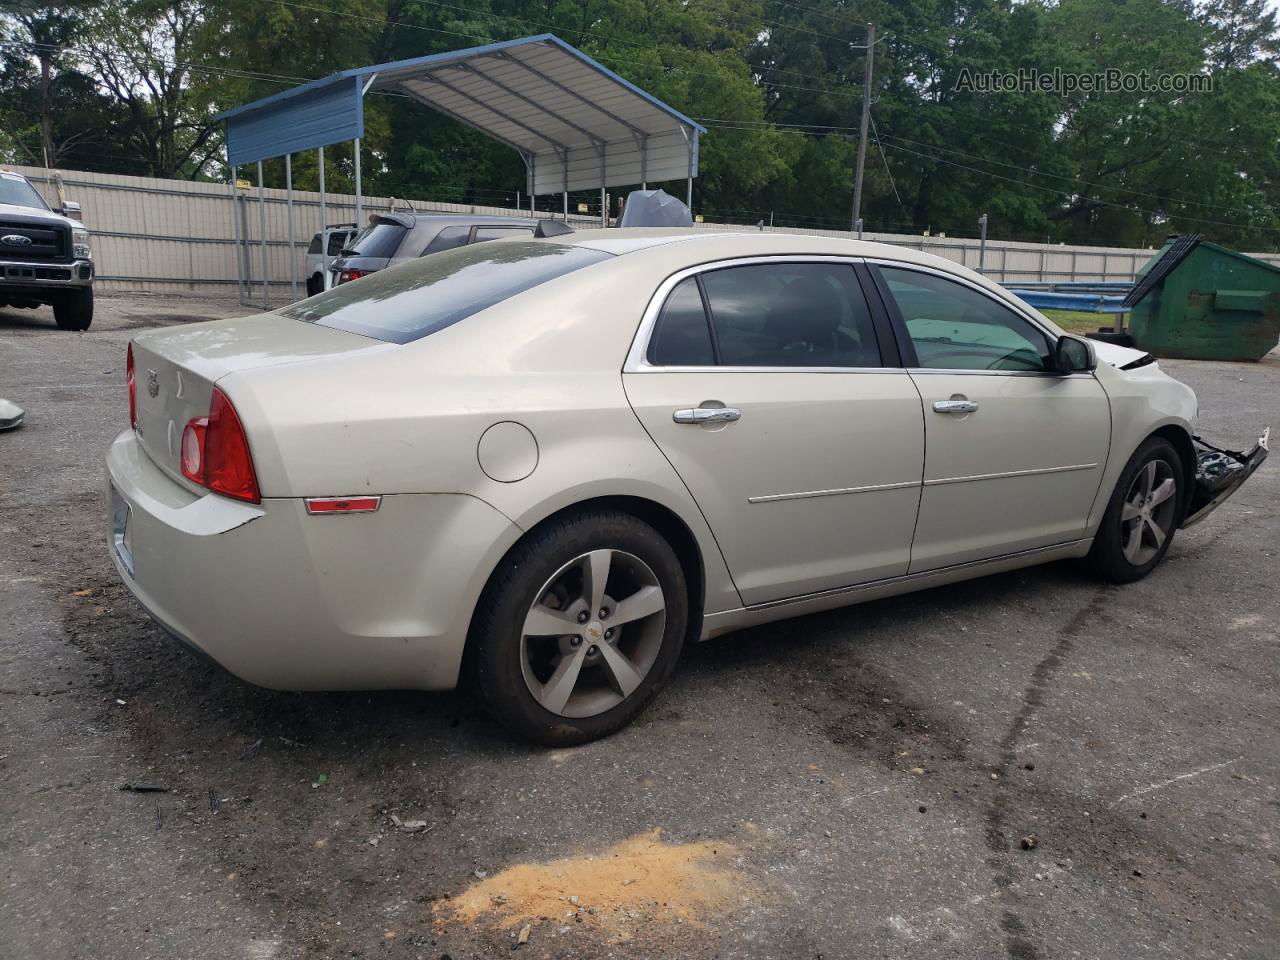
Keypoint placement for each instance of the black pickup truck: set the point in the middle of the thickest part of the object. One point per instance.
(45, 257)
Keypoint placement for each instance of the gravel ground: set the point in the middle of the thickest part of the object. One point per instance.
(1031, 765)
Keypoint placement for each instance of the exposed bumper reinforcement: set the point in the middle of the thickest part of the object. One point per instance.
(1220, 473)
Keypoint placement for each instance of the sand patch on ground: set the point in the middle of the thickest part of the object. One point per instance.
(640, 880)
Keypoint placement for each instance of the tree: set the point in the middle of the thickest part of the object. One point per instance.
(144, 54)
(1243, 32)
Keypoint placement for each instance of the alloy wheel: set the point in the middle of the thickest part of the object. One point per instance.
(1147, 517)
(593, 633)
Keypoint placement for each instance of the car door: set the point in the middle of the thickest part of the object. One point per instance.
(765, 385)
(1014, 451)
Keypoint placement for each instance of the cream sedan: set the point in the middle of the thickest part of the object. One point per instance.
(547, 463)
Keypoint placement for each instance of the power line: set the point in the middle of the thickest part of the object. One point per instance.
(1063, 177)
(1070, 196)
(534, 23)
(816, 130)
(879, 146)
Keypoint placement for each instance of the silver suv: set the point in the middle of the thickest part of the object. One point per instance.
(45, 258)
(392, 238)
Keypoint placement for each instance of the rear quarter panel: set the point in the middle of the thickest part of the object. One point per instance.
(409, 420)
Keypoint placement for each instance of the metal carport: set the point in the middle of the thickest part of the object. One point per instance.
(576, 124)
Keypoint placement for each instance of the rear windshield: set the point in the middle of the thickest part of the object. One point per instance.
(418, 298)
(377, 240)
(15, 190)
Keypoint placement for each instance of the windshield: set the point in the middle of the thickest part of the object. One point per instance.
(418, 298)
(18, 192)
(376, 240)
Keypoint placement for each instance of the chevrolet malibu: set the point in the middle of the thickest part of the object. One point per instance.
(547, 463)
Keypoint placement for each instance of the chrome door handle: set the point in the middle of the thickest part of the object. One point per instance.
(955, 406)
(707, 415)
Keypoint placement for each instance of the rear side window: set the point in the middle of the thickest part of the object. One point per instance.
(418, 298)
(447, 239)
(791, 315)
(682, 337)
(378, 240)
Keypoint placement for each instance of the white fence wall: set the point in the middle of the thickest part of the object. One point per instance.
(155, 235)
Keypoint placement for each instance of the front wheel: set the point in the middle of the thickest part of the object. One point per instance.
(580, 628)
(73, 310)
(1144, 513)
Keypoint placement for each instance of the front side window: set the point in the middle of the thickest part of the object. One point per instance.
(418, 298)
(954, 327)
(790, 315)
(314, 246)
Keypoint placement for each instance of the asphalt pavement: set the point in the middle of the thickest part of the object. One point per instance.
(1031, 765)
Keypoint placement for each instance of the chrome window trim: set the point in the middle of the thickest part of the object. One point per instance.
(983, 291)
(637, 357)
(944, 372)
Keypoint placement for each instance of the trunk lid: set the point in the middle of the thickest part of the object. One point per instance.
(176, 369)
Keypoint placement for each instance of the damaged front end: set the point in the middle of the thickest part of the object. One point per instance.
(1220, 473)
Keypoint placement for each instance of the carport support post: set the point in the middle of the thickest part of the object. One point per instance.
(324, 241)
(288, 185)
(604, 210)
(235, 233)
(688, 193)
(359, 197)
(262, 238)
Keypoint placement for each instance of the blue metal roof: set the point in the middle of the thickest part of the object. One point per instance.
(575, 122)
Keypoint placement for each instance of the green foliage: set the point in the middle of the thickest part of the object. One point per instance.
(131, 86)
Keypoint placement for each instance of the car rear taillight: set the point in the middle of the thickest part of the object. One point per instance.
(133, 388)
(345, 276)
(215, 452)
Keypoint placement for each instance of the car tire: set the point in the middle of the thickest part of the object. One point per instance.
(314, 285)
(1139, 524)
(73, 310)
(521, 676)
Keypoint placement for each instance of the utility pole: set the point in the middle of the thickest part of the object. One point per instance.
(862, 135)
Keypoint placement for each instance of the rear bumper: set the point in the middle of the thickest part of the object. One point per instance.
(291, 601)
(1220, 473)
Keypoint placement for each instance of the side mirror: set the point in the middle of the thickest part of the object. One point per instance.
(1074, 355)
(71, 209)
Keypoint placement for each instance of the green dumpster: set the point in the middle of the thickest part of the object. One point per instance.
(1197, 300)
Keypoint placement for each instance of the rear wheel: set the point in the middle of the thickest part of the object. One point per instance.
(73, 310)
(580, 628)
(1143, 515)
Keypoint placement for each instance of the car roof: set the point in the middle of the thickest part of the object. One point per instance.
(727, 244)
(703, 245)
